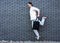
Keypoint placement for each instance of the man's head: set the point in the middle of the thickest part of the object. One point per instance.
(30, 4)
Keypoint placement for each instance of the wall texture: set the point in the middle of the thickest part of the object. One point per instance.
(15, 22)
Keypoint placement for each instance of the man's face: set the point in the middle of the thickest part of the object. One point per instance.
(29, 5)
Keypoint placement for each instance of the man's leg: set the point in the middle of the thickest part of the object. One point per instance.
(37, 34)
(42, 21)
(35, 31)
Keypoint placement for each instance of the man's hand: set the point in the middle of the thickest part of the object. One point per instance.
(38, 15)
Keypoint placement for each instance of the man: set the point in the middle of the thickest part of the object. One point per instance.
(34, 13)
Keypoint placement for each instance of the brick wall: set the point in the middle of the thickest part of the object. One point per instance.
(15, 23)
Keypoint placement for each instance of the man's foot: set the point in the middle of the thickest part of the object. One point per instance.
(38, 37)
(44, 17)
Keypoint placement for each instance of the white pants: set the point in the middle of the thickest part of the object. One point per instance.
(41, 23)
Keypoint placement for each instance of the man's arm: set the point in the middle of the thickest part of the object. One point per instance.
(38, 10)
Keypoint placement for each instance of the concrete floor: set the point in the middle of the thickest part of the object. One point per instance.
(28, 41)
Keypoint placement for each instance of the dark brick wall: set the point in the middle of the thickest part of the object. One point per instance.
(15, 23)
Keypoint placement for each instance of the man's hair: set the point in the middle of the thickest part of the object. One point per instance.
(30, 3)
